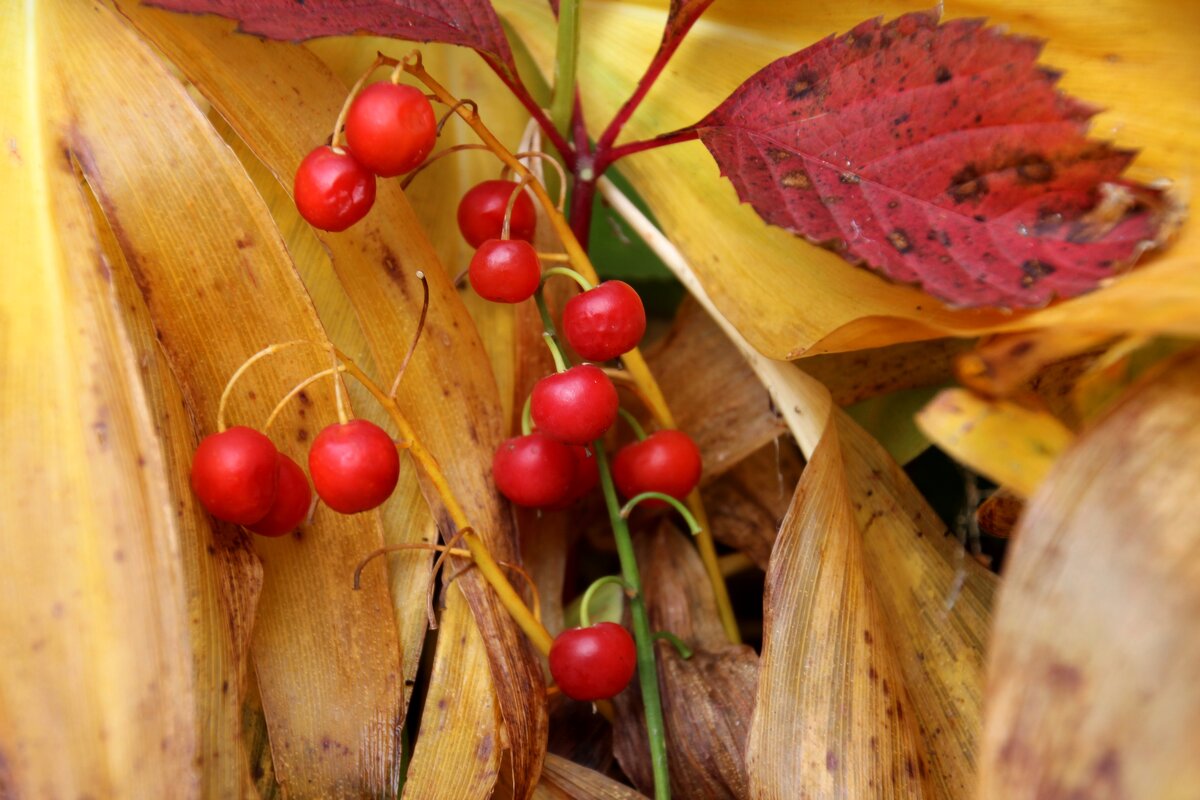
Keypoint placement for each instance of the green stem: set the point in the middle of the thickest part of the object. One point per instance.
(566, 57)
(527, 416)
(693, 526)
(636, 426)
(583, 282)
(642, 636)
(560, 363)
(680, 646)
(584, 619)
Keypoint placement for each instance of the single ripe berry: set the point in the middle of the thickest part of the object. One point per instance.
(234, 474)
(292, 500)
(390, 128)
(576, 406)
(354, 466)
(604, 322)
(505, 270)
(481, 213)
(534, 470)
(593, 663)
(666, 461)
(583, 480)
(332, 190)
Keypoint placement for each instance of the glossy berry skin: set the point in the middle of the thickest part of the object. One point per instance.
(534, 470)
(593, 663)
(576, 406)
(666, 461)
(390, 128)
(505, 270)
(332, 190)
(292, 499)
(234, 474)
(583, 480)
(604, 322)
(354, 466)
(481, 213)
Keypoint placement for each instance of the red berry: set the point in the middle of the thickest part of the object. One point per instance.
(533, 470)
(576, 406)
(354, 466)
(234, 474)
(332, 190)
(291, 501)
(390, 128)
(583, 480)
(593, 663)
(665, 461)
(481, 213)
(505, 270)
(604, 322)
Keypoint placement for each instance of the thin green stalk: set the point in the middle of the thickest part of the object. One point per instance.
(566, 57)
(643, 637)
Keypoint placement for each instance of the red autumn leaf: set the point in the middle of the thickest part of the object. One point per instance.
(470, 23)
(938, 155)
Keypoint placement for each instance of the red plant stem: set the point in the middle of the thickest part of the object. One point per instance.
(666, 48)
(522, 94)
(606, 157)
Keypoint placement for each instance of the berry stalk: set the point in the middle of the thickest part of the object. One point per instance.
(633, 361)
(643, 637)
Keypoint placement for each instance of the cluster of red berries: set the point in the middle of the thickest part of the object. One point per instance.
(390, 129)
(240, 477)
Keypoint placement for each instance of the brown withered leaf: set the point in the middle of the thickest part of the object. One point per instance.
(97, 693)
(729, 417)
(830, 718)
(998, 515)
(223, 576)
(1092, 679)
(155, 162)
(707, 699)
(748, 502)
(862, 374)
(566, 780)
(450, 395)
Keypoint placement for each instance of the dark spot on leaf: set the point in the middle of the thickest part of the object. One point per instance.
(967, 184)
(303, 397)
(245, 241)
(777, 154)
(796, 179)
(980, 218)
(1035, 169)
(900, 120)
(942, 75)
(850, 178)
(893, 204)
(802, 85)
(831, 761)
(868, 638)
(1020, 348)
(1064, 677)
(1034, 271)
(900, 241)
(302, 435)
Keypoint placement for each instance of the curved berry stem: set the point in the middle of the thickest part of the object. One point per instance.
(585, 619)
(643, 639)
(527, 416)
(567, 272)
(693, 526)
(335, 139)
(512, 200)
(440, 154)
(633, 423)
(680, 646)
(297, 389)
(432, 471)
(560, 363)
(412, 347)
(270, 349)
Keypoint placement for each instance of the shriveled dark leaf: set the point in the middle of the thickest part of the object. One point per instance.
(747, 503)
(999, 514)
(729, 418)
(940, 155)
(707, 699)
(470, 23)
